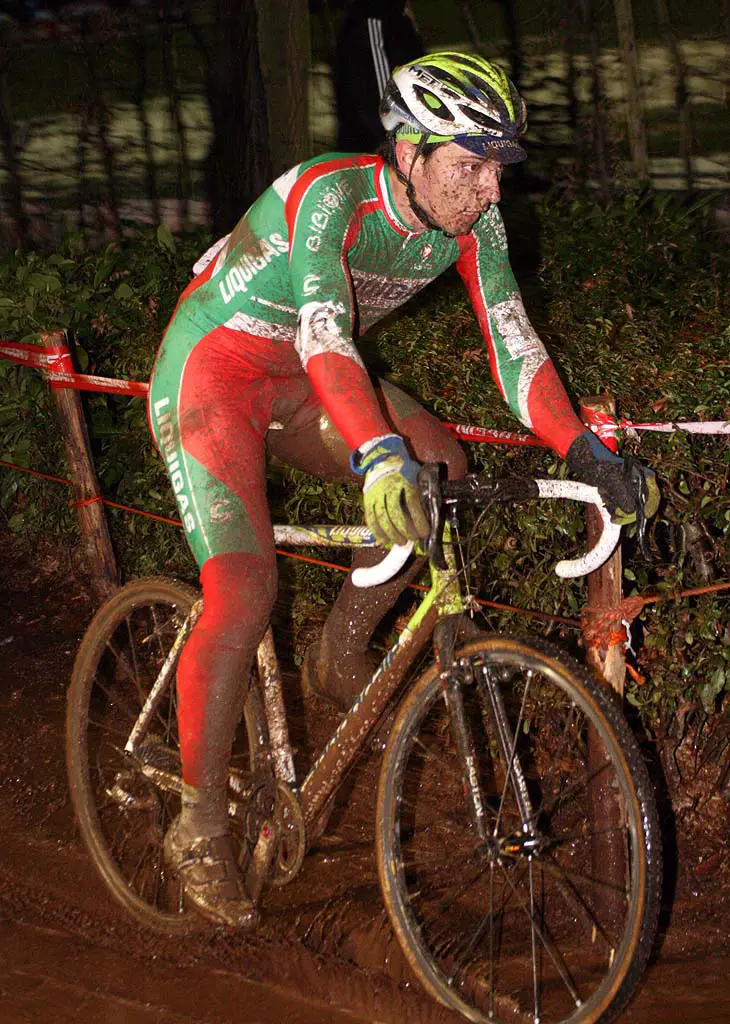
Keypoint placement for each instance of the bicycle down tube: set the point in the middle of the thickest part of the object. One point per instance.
(444, 598)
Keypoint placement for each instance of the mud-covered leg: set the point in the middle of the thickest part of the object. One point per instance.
(210, 414)
(340, 665)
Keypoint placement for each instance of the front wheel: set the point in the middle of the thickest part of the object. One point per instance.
(518, 848)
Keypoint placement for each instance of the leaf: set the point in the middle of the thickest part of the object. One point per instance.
(165, 239)
(710, 690)
(123, 291)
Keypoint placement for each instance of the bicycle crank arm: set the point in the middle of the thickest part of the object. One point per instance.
(262, 860)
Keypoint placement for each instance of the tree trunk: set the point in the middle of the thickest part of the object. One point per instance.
(600, 132)
(237, 165)
(471, 24)
(572, 79)
(139, 54)
(726, 32)
(635, 123)
(682, 101)
(14, 185)
(514, 42)
(283, 33)
(174, 100)
(97, 105)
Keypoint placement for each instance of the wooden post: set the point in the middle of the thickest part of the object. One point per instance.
(604, 585)
(98, 554)
(609, 662)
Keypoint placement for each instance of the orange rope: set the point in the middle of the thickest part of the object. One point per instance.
(35, 472)
(573, 623)
(82, 502)
(598, 625)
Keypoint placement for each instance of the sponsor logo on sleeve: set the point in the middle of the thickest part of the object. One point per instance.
(310, 284)
(325, 206)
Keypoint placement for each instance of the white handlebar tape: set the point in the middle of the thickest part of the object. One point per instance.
(374, 575)
(568, 568)
(572, 567)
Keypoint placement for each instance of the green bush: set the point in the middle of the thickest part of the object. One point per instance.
(630, 299)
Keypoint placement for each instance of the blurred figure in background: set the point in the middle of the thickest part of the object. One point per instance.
(376, 37)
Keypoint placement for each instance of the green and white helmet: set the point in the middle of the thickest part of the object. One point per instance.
(456, 97)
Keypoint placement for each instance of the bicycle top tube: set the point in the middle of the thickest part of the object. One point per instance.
(326, 536)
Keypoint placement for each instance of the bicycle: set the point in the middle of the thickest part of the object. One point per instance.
(517, 836)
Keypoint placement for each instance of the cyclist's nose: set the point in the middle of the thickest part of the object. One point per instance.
(490, 190)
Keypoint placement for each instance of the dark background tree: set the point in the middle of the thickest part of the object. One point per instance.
(237, 166)
(182, 112)
(283, 34)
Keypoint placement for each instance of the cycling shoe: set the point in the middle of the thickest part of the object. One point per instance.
(207, 868)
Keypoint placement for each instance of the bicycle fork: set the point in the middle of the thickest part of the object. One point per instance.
(461, 674)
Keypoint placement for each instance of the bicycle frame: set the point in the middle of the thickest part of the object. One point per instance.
(444, 599)
(340, 753)
(327, 773)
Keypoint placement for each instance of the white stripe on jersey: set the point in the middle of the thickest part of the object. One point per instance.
(209, 254)
(286, 182)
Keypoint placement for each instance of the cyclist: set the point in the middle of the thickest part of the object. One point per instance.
(261, 355)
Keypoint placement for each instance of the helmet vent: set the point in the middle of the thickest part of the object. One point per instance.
(481, 118)
(434, 104)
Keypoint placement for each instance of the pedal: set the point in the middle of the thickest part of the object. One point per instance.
(262, 859)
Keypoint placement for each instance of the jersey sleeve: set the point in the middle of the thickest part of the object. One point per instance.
(324, 214)
(521, 367)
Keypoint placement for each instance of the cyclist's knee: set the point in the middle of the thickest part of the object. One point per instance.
(455, 459)
(427, 437)
(238, 595)
(431, 442)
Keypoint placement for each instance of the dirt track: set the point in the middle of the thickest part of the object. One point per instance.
(325, 952)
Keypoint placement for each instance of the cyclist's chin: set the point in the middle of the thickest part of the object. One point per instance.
(460, 223)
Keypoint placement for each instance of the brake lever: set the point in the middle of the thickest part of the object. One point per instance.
(428, 480)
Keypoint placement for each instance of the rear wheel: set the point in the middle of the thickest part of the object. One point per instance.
(123, 813)
(522, 880)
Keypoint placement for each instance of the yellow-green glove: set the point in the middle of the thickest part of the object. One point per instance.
(394, 512)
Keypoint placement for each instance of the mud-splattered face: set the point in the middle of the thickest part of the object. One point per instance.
(454, 186)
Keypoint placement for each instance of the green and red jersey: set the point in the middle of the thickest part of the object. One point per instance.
(323, 254)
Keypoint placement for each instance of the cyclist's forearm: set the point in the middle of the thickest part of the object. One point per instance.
(551, 413)
(344, 388)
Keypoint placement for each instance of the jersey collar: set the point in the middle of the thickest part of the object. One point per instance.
(385, 195)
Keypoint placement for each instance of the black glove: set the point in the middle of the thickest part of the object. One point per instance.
(624, 484)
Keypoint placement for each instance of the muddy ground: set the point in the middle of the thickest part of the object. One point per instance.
(325, 952)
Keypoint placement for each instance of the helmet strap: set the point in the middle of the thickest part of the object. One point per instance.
(416, 207)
